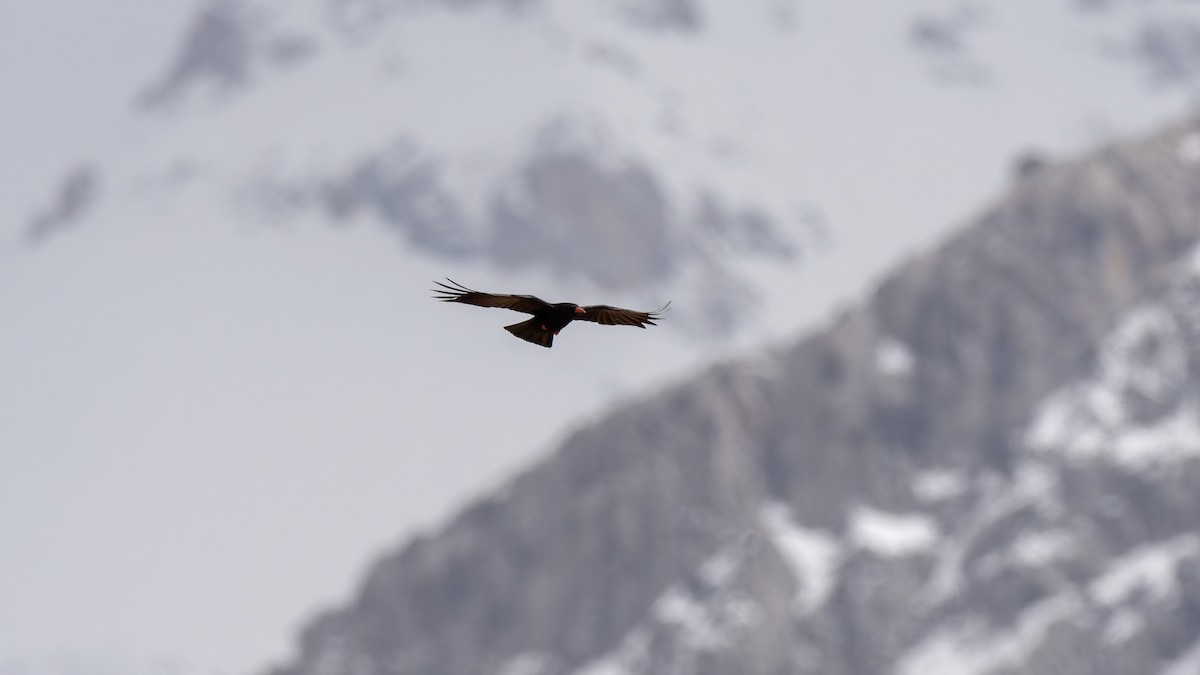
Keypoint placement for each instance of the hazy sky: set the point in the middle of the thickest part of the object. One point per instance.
(209, 427)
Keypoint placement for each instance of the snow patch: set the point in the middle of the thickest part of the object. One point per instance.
(526, 663)
(893, 535)
(1149, 568)
(812, 555)
(1122, 626)
(1033, 549)
(893, 358)
(699, 624)
(622, 660)
(608, 665)
(1145, 359)
(719, 569)
(971, 648)
(696, 627)
(937, 485)
(1173, 438)
(1188, 149)
(1034, 484)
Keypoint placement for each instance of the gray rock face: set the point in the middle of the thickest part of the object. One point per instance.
(218, 49)
(611, 226)
(225, 46)
(76, 194)
(944, 40)
(403, 188)
(678, 15)
(1169, 50)
(991, 466)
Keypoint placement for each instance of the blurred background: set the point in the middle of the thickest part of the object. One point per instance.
(227, 401)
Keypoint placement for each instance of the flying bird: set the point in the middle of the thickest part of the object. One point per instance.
(548, 318)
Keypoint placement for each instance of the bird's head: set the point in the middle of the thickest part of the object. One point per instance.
(580, 310)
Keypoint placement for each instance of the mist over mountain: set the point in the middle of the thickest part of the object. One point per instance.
(990, 466)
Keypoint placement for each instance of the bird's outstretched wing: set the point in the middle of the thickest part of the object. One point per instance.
(616, 316)
(456, 292)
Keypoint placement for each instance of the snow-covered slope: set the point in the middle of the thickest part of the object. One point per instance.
(219, 221)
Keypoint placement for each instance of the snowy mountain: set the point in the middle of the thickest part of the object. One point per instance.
(655, 147)
(992, 466)
(220, 220)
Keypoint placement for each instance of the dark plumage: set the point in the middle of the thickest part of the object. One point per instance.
(548, 318)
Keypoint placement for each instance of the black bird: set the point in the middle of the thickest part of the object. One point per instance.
(548, 319)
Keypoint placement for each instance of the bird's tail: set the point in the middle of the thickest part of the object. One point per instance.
(532, 331)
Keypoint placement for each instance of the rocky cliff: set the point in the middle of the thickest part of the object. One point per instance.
(991, 465)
